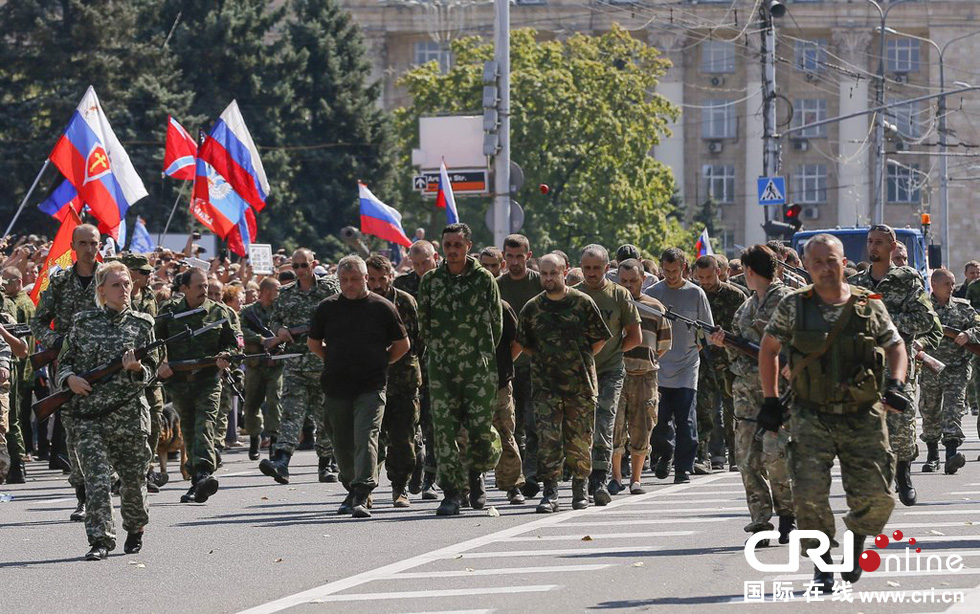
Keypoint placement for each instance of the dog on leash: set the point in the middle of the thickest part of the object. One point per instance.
(171, 440)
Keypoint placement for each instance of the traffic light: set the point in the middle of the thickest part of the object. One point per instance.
(791, 214)
(779, 230)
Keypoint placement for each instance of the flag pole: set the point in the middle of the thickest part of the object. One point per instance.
(27, 197)
(172, 211)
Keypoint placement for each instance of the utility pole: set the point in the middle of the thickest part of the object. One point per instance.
(501, 165)
(771, 149)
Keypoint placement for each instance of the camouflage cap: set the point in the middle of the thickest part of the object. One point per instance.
(137, 262)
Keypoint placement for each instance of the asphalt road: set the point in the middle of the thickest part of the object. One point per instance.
(260, 547)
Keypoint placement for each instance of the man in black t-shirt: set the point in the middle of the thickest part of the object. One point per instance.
(357, 334)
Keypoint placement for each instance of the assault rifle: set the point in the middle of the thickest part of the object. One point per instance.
(795, 269)
(19, 330)
(952, 333)
(196, 364)
(252, 321)
(50, 404)
(44, 357)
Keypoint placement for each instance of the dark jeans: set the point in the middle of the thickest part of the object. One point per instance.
(677, 427)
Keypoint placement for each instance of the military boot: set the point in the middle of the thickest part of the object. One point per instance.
(277, 468)
(478, 490)
(18, 472)
(134, 543)
(787, 524)
(188, 496)
(272, 444)
(903, 482)
(531, 488)
(79, 514)
(450, 503)
(600, 492)
(253, 447)
(702, 466)
(954, 460)
(207, 485)
(328, 470)
(824, 580)
(855, 574)
(580, 495)
(549, 502)
(429, 487)
(399, 495)
(362, 504)
(932, 459)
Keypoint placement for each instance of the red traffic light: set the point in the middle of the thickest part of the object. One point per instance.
(792, 212)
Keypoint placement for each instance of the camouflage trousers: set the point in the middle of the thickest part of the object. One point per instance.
(4, 425)
(901, 425)
(302, 395)
(263, 384)
(71, 449)
(610, 389)
(401, 420)
(637, 413)
(197, 404)
(154, 397)
(564, 427)
(355, 425)
(115, 443)
(711, 388)
(859, 442)
(462, 398)
(15, 438)
(507, 473)
(763, 465)
(526, 432)
(943, 404)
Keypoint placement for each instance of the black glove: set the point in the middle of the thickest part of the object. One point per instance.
(771, 414)
(895, 396)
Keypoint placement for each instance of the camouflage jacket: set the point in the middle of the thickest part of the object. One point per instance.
(98, 336)
(560, 335)
(460, 317)
(409, 282)
(724, 301)
(294, 307)
(253, 316)
(958, 314)
(63, 298)
(406, 372)
(6, 353)
(902, 291)
(23, 308)
(750, 322)
(144, 302)
(225, 338)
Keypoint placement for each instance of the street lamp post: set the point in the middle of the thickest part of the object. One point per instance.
(943, 151)
(879, 178)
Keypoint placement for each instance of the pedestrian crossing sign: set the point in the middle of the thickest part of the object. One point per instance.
(772, 191)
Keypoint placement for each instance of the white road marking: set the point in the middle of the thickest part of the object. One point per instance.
(594, 552)
(508, 571)
(326, 591)
(938, 512)
(630, 523)
(449, 592)
(676, 502)
(580, 537)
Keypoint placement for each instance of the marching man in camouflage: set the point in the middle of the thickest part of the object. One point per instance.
(903, 293)
(263, 378)
(460, 322)
(837, 337)
(763, 465)
(21, 374)
(943, 400)
(112, 417)
(562, 330)
(6, 363)
(69, 291)
(302, 393)
(197, 394)
(401, 415)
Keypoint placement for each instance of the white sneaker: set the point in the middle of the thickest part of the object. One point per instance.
(637, 489)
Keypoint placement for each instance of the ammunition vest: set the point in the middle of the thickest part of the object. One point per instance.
(849, 376)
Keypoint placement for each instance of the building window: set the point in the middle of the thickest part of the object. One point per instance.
(907, 118)
(811, 56)
(717, 57)
(718, 120)
(719, 181)
(810, 184)
(807, 111)
(903, 186)
(431, 51)
(902, 55)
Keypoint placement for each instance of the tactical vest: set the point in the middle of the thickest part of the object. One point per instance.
(849, 376)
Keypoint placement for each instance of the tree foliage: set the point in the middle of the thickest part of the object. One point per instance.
(584, 120)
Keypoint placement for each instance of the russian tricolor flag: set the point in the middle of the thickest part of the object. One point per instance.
(181, 151)
(90, 156)
(379, 219)
(230, 183)
(444, 197)
(703, 246)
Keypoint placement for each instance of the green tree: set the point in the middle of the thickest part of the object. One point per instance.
(584, 119)
(50, 52)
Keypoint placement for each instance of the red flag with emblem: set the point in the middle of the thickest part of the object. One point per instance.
(61, 255)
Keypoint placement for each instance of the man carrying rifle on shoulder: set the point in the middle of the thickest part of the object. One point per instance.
(944, 395)
(196, 394)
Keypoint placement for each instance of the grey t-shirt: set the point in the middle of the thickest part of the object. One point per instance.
(679, 365)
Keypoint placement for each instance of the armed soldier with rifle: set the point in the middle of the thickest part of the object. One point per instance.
(263, 379)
